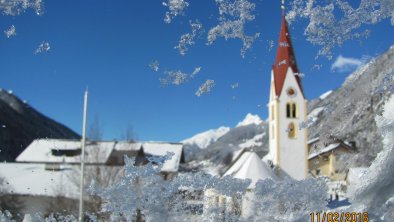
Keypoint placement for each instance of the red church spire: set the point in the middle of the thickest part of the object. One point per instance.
(285, 57)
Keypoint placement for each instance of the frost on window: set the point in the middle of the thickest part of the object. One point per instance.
(270, 44)
(178, 77)
(174, 78)
(233, 16)
(205, 87)
(331, 23)
(368, 196)
(287, 200)
(154, 66)
(16, 7)
(187, 40)
(175, 8)
(234, 86)
(316, 67)
(10, 31)
(43, 47)
(195, 72)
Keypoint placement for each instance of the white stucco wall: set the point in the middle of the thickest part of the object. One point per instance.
(290, 154)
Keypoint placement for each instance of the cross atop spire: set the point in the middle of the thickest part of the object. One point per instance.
(283, 7)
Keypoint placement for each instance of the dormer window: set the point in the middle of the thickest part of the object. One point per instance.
(66, 152)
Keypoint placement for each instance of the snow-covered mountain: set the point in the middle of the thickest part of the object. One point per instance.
(347, 113)
(250, 133)
(204, 139)
(250, 119)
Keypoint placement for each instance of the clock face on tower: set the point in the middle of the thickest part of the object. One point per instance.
(291, 92)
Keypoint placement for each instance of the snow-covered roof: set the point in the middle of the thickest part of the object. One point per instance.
(326, 149)
(324, 95)
(313, 140)
(50, 151)
(33, 179)
(161, 149)
(69, 151)
(127, 146)
(250, 166)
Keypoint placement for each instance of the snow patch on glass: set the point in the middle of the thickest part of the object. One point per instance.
(10, 31)
(187, 39)
(43, 47)
(205, 87)
(234, 14)
(16, 7)
(175, 8)
(178, 77)
(332, 23)
(154, 66)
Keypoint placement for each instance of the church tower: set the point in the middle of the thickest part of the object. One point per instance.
(287, 111)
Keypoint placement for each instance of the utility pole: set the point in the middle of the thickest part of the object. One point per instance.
(83, 143)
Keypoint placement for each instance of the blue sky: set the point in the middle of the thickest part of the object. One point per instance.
(108, 45)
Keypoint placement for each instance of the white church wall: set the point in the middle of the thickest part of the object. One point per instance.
(292, 151)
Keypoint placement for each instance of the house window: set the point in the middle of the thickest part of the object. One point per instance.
(291, 130)
(317, 172)
(291, 110)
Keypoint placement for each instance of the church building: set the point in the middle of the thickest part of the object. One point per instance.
(287, 111)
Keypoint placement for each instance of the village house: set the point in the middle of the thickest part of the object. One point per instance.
(45, 176)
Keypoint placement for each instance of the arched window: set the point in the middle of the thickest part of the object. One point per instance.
(291, 110)
(294, 110)
(292, 131)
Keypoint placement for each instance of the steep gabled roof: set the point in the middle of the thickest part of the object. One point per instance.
(285, 58)
(250, 166)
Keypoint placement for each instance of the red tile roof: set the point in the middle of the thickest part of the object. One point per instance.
(284, 58)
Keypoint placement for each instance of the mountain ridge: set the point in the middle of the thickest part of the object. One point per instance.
(20, 124)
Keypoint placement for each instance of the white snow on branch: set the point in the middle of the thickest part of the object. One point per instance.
(154, 65)
(233, 16)
(10, 31)
(175, 8)
(331, 23)
(205, 87)
(187, 39)
(16, 7)
(43, 47)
